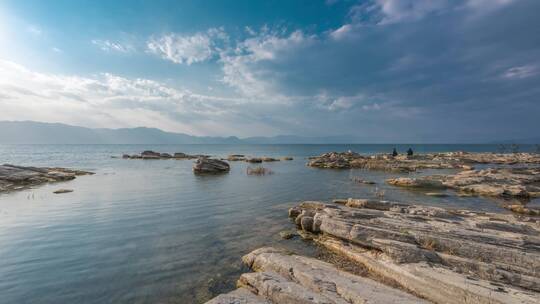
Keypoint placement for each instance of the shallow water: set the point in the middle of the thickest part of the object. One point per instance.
(152, 232)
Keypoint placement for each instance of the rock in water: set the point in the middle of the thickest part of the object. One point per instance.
(60, 191)
(208, 165)
(14, 177)
(286, 234)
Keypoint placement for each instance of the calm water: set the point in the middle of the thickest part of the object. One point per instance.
(152, 232)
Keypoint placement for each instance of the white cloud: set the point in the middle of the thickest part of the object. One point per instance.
(521, 72)
(342, 31)
(34, 30)
(110, 46)
(240, 64)
(345, 103)
(488, 4)
(396, 11)
(188, 49)
(106, 100)
(408, 10)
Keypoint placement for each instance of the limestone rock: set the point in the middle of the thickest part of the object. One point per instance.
(238, 296)
(446, 256)
(14, 177)
(297, 278)
(506, 182)
(410, 163)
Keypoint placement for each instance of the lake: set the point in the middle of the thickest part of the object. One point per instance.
(150, 231)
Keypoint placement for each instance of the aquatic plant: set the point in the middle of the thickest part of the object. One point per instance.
(258, 171)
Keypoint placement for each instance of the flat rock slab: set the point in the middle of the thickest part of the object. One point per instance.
(238, 296)
(445, 256)
(409, 163)
(285, 278)
(18, 177)
(149, 154)
(508, 182)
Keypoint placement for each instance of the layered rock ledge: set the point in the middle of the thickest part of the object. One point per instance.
(282, 277)
(444, 256)
(18, 177)
(505, 182)
(406, 163)
(414, 254)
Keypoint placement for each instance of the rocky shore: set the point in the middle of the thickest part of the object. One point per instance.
(505, 182)
(18, 177)
(414, 254)
(244, 158)
(411, 163)
(149, 154)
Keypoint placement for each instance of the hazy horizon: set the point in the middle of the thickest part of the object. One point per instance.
(28, 132)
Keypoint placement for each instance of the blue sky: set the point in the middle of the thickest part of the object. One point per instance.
(379, 70)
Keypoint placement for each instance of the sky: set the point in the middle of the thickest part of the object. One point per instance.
(378, 70)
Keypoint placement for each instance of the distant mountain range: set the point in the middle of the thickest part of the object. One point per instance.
(31, 132)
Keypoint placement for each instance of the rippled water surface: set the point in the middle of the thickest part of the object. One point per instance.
(152, 232)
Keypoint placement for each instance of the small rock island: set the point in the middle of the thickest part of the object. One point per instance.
(14, 177)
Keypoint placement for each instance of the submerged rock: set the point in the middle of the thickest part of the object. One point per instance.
(18, 177)
(523, 209)
(437, 194)
(208, 165)
(362, 181)
(60, 191)
(286, 234)
(269, 159)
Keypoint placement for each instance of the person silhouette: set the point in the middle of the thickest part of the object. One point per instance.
(394, 153)
(410, 152)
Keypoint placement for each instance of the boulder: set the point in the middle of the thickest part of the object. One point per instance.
(208, 165)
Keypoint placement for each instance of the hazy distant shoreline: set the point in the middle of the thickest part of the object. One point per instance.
(31, 132)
